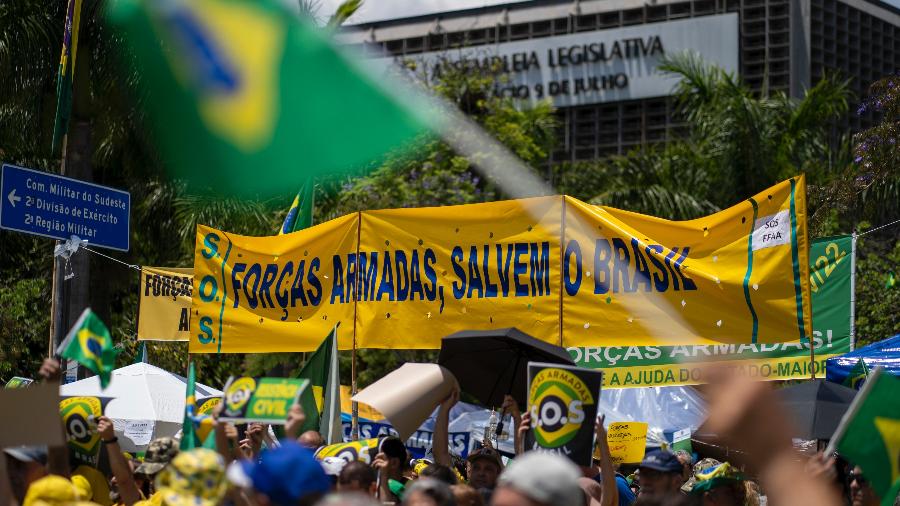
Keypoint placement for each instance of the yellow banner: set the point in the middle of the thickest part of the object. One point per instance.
(561, 270)
(165, 308)
(738, 276)
(279, 293)
(477, 266)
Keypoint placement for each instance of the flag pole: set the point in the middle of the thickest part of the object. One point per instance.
(812, 358)
(354, 406)
(853, 292)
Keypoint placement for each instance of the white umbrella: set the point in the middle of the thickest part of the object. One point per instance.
(147, 402)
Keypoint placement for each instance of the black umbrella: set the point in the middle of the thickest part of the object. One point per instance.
(492, 363)
(816, 407)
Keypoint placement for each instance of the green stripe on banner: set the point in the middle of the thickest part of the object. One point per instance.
(750, 270)
(795, 260)
(224, 294)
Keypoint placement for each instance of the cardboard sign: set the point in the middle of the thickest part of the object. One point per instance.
(265, 400)
(363, 450)
(627, 442)
(19, 382)
(79, 415)
(408, 395)
(36, 417)
(563, 405)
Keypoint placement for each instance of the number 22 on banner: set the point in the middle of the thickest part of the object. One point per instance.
(826, 264)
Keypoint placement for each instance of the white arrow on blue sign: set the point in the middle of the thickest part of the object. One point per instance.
(46, 204)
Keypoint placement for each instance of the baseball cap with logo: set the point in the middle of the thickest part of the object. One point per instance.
(159, 453)
(662, 461)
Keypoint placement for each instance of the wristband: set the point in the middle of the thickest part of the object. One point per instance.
(115, 439)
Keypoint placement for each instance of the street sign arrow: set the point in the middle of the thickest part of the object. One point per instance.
(50, 205)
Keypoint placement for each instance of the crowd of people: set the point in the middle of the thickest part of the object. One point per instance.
(256, 469)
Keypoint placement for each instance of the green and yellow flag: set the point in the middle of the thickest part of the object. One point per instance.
(299, 216)
(66, 72)
(857, 376)
(90, 344)
(196, 429)
(260, 95)
(869, 434)
(322, 401)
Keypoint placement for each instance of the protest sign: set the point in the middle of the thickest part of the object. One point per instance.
(79, 415)
(419, 443)
(206, 405)
(363, 450)
(264, 400)
(408, 395)
(627, 442)
(556, 268)
(18, 382)
(563, 404)
(830, 274)
(36, 417)
(164, 313)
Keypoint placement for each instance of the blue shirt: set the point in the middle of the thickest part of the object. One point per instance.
(626, 496)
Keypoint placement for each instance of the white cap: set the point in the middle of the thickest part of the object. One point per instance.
(544, 477)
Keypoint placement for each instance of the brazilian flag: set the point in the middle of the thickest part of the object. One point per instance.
(245, 97)
(322, 400)
(299, 216)
(869, 434)
(196, 429)
(90, 344)
(66, 73)
(857, 376)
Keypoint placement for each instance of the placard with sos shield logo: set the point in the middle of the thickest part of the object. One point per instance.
(562, 401)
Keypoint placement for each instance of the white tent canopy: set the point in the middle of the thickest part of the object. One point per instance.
(147, 402)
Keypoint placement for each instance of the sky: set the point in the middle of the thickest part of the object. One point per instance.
(376, 10)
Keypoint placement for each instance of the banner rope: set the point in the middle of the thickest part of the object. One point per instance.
(878, 228)
(126, 264)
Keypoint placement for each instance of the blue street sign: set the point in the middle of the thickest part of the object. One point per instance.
(54, 206)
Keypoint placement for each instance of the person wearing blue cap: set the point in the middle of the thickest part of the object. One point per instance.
(286, 476)
(660, 474)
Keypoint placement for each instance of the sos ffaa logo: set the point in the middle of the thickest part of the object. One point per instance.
(356, 450)
(238, 394)
(557, 398)
(79, 415)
